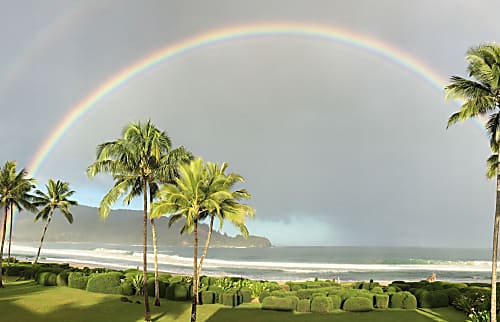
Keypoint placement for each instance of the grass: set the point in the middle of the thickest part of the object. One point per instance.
(28, 301)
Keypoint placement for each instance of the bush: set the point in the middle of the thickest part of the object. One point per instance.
(382, 301)
(246, 295)
(180, 292)
(62, 279)
(127, 288)
(47, 279)
(277, 303)
(229, 298)
(336, 301)
(377, 290)
(304, 305)
(321, 304)
(453, 293)
(433, 299)
(391, 289)
(108, 283)
(262, 296)
(207, 297)
(358, 304)
(77, 280)
(403, 300)
(295, 301)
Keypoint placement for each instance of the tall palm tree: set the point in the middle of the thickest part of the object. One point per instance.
(15, 191)
(137, 161)
(195, 194)
(56, 197)
(231, 209)
(481, 97)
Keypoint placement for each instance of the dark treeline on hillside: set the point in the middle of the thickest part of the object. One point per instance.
(121, 226)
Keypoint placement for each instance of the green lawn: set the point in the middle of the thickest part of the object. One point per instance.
(28, 301)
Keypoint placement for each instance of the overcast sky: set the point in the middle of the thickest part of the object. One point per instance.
(338, 146)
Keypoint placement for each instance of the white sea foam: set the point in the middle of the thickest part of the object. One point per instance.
(100, 256)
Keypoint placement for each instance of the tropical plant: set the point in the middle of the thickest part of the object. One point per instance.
(198, 192)
(56, 197)
(137, 161)
(138, 284)
(481, 97)
(15, 191)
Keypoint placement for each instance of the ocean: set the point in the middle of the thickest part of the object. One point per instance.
(282, 263)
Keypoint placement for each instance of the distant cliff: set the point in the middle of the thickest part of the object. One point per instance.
(121, 226)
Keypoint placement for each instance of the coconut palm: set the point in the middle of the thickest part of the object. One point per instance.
(231, 209)
(481, 97)
(136, 161)
(55, 197)
(195, 194)
(15, 191)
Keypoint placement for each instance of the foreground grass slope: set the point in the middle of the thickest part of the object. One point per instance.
(28, 301)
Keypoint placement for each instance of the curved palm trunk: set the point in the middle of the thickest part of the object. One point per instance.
(493, 312)
(43, 235)
(195, 272)
(4, 229)
(155, 250)
(207, 242)
(10, 235)
(147, 312)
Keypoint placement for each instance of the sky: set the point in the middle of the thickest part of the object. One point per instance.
(338, 144)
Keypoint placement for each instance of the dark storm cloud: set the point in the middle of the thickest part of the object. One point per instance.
(322, 132)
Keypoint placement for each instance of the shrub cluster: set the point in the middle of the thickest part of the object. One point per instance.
(278, 303)
(358, 304)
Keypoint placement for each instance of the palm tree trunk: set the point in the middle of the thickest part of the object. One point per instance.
(493, 312)
(195, 272)
(207, 242)
(4, 229)
(10, 234)
(155, 250)
(147, 312)
(43, 235)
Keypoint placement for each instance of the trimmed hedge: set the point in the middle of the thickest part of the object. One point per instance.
(127, 288)
(321, 304)
(382, 301)
(62, 279)
(304, 305)
(246, 295)
(295, 301)
(358, 304)
(377, 290)
(229, 298)
(336, 301)
(77, 280)
(433, 299)
(277, 303)
(403, 300)
(47, 279)
(108, 283)
(263, 295)
(207, 297)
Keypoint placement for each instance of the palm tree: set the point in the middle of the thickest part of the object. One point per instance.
(15, 191)
(195, 194)
(139, 159)
(231, 209)
(56, 197)
(481, 97)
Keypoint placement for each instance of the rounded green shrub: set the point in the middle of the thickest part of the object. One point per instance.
(358, 304)
(263, 295)
(403, 300)
(433, 299)
(62, 279)
(453, 293)
(127, 288)
(229, 298)
(246, 295)
(108, 283)
(336, 301)
(304, 305)
(321, 304)
(382, 301)
(207, 297)
(77, 280)
(277, 303)
(180, 292)
(377, 290)
(295, 301)
(47, 279)
(391, 289)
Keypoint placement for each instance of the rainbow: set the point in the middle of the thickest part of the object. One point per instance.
(169, 52)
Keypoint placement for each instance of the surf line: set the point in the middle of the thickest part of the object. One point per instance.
(324, 32)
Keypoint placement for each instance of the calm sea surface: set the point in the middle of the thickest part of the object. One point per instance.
(284, 263)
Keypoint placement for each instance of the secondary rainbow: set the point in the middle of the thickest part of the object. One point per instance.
(325, 32)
